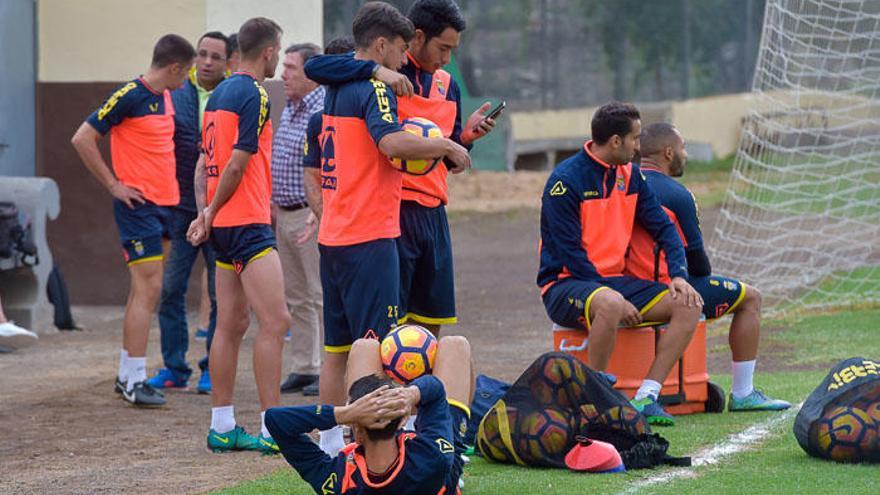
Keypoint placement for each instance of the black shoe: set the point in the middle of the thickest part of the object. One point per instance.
(119, 386)
(143, 394)
(296, 382)
(311, 390)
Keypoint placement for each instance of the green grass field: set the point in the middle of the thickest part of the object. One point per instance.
(802, 352)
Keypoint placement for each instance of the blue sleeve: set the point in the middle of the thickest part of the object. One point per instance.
(455, 95)
(561, 230)
(684, 205)
(252, 116)
(289, 427)
(434, 422)
(312, 148)
(115, 109)
(338, 69)
(380, 110)
(651, 216)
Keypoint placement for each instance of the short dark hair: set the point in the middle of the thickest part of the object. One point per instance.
(233, 43)
(363, 386)
(217, 35)
(434, 16)
(256, 34)
(172, 49)
(612, 119)
(306, 50)
(656, 137)
(379, 19)
(343, 44)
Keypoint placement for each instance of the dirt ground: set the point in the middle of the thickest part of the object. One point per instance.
(66, 431)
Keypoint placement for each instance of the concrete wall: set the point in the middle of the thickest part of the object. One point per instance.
(86, 49)
(714, 120)
(17, 141)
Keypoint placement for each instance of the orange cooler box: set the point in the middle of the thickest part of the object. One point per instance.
(633, 354)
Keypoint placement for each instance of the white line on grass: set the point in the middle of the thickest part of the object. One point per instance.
(747, 439)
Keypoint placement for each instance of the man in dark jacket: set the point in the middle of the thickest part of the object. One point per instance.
(211, 66)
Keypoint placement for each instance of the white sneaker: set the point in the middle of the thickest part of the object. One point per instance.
(14, 337)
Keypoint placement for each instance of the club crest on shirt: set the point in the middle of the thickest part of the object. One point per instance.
(558, 189)
(621, 183)
(440, 88)
(445, 446)
(329, 485)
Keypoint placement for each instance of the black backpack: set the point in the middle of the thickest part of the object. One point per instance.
(16, 239)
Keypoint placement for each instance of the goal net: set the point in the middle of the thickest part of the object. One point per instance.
(801, 218)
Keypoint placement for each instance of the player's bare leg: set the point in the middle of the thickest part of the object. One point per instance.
(232, 323)
(331, 390)
(745, 328)
(363, 359)
(263, 285)
(204, 302)
(745, 331)
(453, 366)
(682, 324)
(143, 296)
(331, 386)
(606, 310)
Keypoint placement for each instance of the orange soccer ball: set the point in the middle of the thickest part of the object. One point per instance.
(408, 352)
(424, 128)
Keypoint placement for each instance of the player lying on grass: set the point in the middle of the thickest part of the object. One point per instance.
(384, 459)
(663, 157)
(588, 209)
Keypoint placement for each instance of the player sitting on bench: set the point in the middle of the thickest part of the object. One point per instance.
(384, 459)
(663, 157)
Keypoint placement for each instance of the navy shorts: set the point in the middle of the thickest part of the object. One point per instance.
(141, 230)
(721, 295)
(235, 247)
(568, 300)
(361, 291)
(427, 279)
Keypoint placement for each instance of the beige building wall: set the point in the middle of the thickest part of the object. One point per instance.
(302, 20)
(112, 40)
(108, 40)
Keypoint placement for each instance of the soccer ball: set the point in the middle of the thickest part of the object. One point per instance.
(846, 434)
(625, 418)
(544, 434)
(408, 352)
(489, 440)
(560, 383)
(424, 128)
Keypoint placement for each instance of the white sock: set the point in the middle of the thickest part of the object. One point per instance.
(223, 419)
(411, 423)
(332, 440)
(263, 429)
(123, 366)
(648, 388)
(137, 371)
(743, 373)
